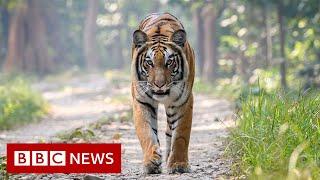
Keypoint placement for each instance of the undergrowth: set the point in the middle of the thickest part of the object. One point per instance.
(278, 136)
(3, 171)
(19, 103)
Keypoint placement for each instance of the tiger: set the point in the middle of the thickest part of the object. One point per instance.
(162, 72)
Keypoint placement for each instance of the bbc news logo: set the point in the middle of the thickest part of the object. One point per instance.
(58, 158)
(39, 158)
(64, 158)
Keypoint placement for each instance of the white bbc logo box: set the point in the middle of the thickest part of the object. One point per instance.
(39, 158)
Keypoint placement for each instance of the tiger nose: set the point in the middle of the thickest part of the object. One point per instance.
(159, 84)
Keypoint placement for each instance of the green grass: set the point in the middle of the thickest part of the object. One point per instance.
(278, 136)
(19, 103)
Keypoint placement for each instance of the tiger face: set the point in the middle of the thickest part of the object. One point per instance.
(161, 66)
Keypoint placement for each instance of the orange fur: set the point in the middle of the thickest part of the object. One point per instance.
(177, 158)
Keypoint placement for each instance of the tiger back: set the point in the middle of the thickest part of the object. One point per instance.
(162, 71)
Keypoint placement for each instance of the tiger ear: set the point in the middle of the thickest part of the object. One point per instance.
(179, 37)
(139, 38)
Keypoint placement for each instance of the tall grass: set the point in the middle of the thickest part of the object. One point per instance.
(19, 104)
(278, 136)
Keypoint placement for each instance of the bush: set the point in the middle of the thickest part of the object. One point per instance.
(19, 104)
(278, 135)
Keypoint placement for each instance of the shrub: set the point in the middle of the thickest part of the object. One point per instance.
(19, 104)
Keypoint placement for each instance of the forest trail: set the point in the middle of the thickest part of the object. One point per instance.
(80, 102)
(73, 103)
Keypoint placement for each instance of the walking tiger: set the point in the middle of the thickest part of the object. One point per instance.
(162, 71)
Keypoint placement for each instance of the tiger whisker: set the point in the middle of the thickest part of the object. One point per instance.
(144, 88)
(144, 82)
(141, 91)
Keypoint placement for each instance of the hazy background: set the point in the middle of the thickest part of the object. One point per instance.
(65, 67)
(232, 38)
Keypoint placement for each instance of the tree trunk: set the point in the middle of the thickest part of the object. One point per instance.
(244, 68)
(16, 41)
(126, 36)
(210, 45)
(37, 40)
(268, 38)
(54, 29)
(118, 56)
(89, 41)
(198, 24)
(5, 32)
(27, 44)
(282, 46)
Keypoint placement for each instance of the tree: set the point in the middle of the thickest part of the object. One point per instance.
(4, 14)
(16, 41)
(89, 42)
(268, 38)
(27, 41)
(199, 29)
(282, 45)
(211, 14)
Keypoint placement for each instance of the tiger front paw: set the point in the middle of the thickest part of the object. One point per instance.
(179, 167)
(152, 161)
(152, 168)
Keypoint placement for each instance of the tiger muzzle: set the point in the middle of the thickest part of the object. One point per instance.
(161, 92)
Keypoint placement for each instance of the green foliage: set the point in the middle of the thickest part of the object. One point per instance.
(19, 104)
(234, 88)
(78, 134)
(3, 165)
(231, 41)
(312, 75)
(9, 4)
(278, 135)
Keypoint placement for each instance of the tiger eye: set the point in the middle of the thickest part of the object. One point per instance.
(169, 62)
(148, 62)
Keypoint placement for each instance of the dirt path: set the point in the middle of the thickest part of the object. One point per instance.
(73, 103)
(84, 102)
(212, 118)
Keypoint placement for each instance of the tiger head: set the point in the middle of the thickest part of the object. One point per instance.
(160, 63)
